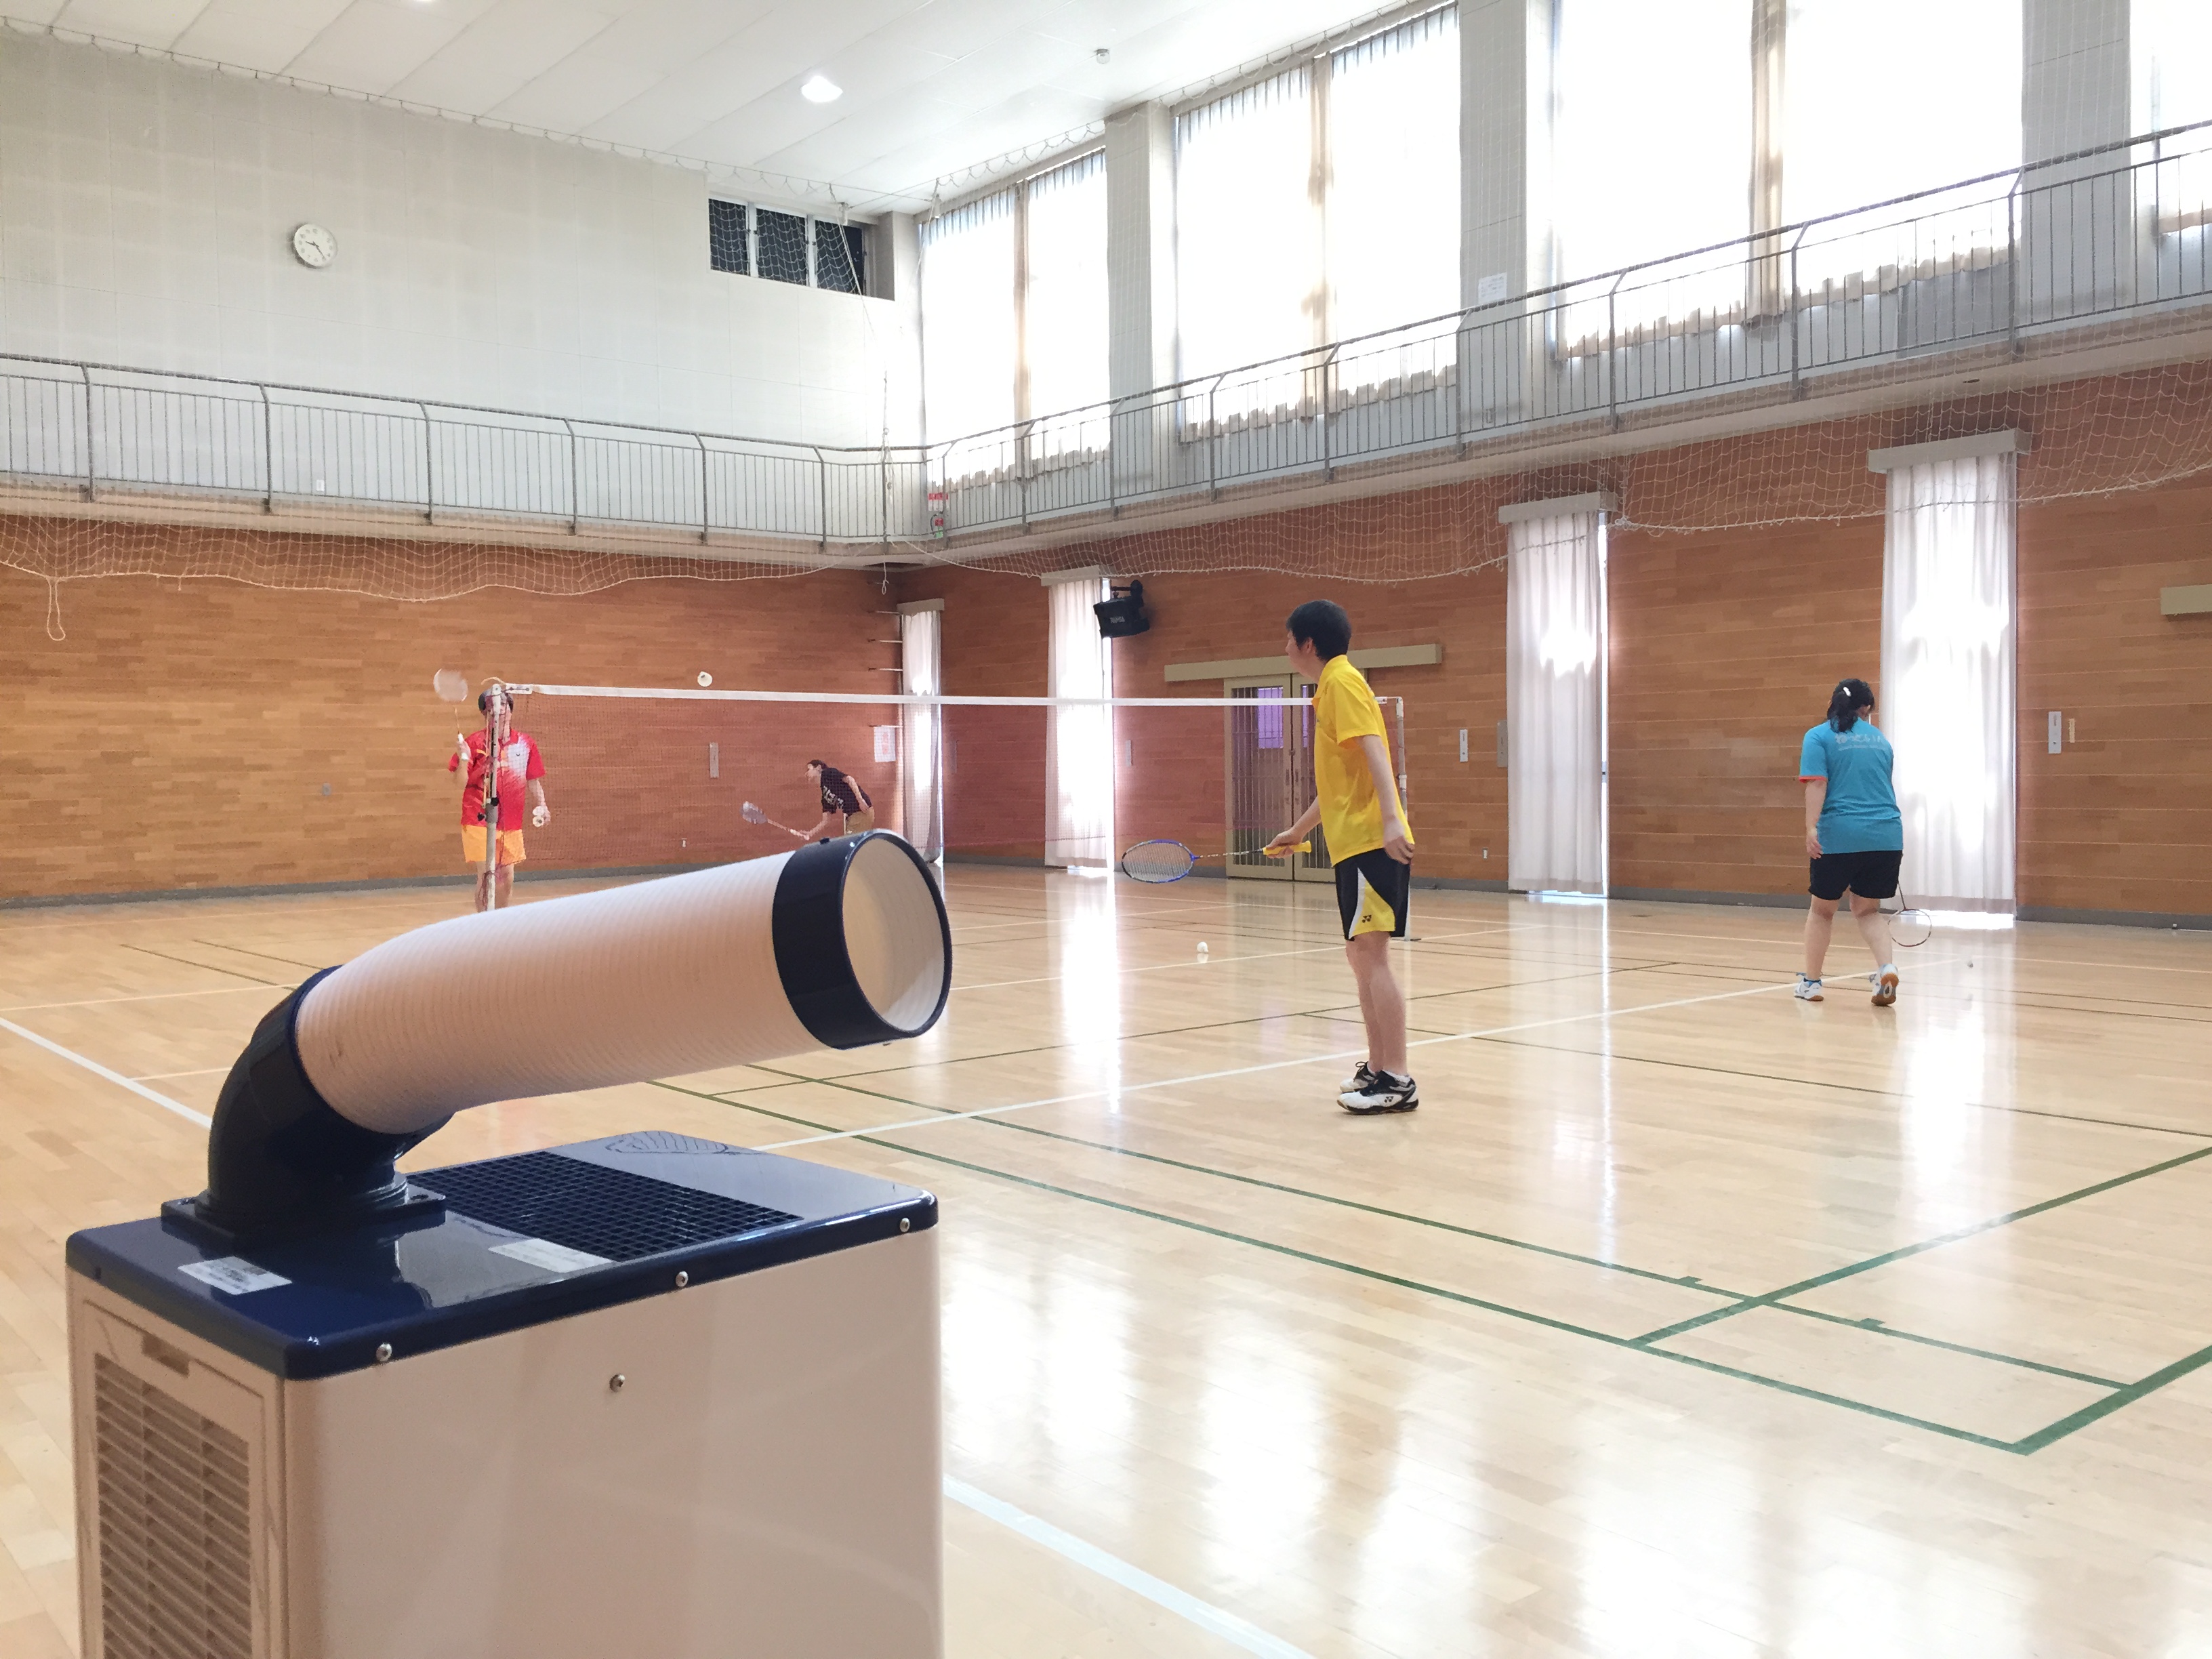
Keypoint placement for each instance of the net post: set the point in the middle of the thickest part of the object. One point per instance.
(490, 810)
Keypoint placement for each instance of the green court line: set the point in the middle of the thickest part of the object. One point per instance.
(289, 961)
(1878, 1328)
(208, 967)
(1882, 1261)
(1319, 1198)
(2029, 1445)
(1685, 1282)
(2123, 1394)
(1850, 1088)
(1327, 1011)
(1416, 1285)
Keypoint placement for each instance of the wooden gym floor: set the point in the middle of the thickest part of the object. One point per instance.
(1682, 1320)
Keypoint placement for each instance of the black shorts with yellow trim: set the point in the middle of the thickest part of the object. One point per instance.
(1374, 894)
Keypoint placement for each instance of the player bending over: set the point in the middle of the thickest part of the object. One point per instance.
(521, 772)
(846, 808)
(1356, 803)
(1853, 834)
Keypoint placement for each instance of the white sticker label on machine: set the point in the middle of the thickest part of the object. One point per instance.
(233, 1274)
(545, 1252)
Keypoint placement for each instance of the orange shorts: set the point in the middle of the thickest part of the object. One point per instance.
(472, 845)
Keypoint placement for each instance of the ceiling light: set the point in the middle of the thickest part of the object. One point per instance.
(820, 89)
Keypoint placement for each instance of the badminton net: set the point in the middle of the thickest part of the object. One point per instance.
(647, 779)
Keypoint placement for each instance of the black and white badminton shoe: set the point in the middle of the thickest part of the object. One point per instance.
(1384, 1091)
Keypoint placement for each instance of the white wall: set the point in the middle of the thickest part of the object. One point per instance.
(146, 212)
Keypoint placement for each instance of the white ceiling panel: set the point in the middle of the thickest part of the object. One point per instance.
(374, 44)
(148, 22)
(934, 88)
(257, 34)
(505, 50)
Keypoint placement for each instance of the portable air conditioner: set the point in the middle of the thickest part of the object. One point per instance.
(648, 1396)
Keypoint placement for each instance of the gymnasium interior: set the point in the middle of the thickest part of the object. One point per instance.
(948, 1237)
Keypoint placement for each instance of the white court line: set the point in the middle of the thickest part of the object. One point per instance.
(148, 996)
(1269, 1065)
(1238, 1632)
(1210, 961)
(116, 1077)
(162, 1077)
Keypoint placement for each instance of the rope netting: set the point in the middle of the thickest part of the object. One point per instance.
(58, 551)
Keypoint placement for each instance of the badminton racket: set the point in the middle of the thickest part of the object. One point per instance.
(752, 814)
(450, 684)
(1909, 914)
(1162, 861)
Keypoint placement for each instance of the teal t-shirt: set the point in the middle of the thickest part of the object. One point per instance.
(1860, 815)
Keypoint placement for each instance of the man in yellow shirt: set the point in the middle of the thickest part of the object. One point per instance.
(1371, 845)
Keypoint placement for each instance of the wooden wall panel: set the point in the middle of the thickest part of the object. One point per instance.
(994, 642)
(2121, 819)
(182, 735)
(1725, 647)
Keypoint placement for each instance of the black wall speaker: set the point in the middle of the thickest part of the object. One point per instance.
(1124, 614)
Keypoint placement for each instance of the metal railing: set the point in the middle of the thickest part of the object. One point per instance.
(2098, 235)
(117, 432)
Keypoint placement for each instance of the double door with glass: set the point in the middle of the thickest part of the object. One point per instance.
(1270, 772)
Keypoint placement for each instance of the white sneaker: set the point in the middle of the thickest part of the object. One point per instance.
(1359, 1080)
(1384, 1093)
(1809, 990)
(1884, 980)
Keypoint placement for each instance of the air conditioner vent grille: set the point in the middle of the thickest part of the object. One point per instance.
(611, 1213)
(175, 1542)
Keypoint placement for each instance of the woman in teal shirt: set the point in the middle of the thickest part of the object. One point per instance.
(1853, 834)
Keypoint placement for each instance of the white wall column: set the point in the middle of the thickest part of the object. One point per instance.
(1505, 114)
(1140, 292)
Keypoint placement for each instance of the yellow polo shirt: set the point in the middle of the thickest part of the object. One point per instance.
(1344, 711)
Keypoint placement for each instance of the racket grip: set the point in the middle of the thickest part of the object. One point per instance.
(1285, 852)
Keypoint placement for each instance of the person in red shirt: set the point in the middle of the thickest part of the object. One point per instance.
(522, 774)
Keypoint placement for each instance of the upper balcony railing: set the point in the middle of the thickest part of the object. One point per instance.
(2092, 237)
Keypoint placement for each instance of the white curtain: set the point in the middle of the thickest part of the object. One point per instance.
(1079, 749)
(1946, 696)
(1247, 256)
(1555, 658)
(922, 733)
(968, 335)
(1394, 196)
(1064, 315)
(1651, 149)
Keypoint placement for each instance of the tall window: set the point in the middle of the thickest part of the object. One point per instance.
(2172, 44)
(1064, 307)
(1392, 244)
(1651, 151)
(970, 341)
(1886, 97)
(1247, 264)
(1013, 319)
(1312, 211)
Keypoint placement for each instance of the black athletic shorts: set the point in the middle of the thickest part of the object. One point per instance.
(1870, 875)
(1374, 885)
